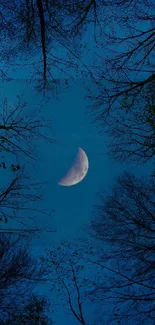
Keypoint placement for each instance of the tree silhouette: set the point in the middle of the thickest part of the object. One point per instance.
(19, 275)
(20, 194)
(18, 203)
(128, 62)
(41, 27)
(126, 222)
(19, 127)
(31, 313)
(133, 133)
(71, 278)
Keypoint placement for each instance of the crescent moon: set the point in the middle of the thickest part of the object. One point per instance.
(78, 171)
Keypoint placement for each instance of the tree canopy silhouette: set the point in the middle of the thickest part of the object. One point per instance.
(20, 194)
(125, 220)
(45, 30)
(19, 128)
(127, 63)
(19, 275)
(132, 134)
(72, 279)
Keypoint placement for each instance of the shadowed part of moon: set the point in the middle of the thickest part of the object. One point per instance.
(78, 171)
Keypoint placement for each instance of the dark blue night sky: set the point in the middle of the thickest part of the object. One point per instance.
(67, 110)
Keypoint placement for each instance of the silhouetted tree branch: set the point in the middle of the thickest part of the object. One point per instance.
(125, 221)
(70, 278)
(19, 196)
(41, 28)
(19, 274)
(133, 133)
(31, 312)
(128, 64)
(19, 204)
(19, 128)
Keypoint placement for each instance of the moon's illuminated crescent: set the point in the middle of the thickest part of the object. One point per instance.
(78, 171)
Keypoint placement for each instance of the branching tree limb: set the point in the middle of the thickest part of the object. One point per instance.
(19, 274)
(126, 222)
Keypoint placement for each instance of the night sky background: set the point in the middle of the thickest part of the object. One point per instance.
(72, 127)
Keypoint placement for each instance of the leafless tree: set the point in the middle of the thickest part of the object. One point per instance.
(132, 134)
(125, 221)
(19, 275)
(40, 27)
(19, 201)
(34, 311)
(19, 129)
(127, 57)
(20, 194)
(71, 279)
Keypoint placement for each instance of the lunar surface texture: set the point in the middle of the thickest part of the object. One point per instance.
(78, 170)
